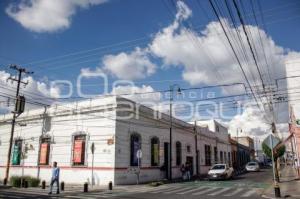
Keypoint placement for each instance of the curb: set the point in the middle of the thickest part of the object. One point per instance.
(268, 197)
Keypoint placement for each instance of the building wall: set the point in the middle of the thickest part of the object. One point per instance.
(63, 124)
(101, 121)
(213, 126)
(147, 127)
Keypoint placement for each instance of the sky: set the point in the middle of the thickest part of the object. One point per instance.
(153, 43)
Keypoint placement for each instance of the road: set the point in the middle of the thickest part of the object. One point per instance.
(250, 185)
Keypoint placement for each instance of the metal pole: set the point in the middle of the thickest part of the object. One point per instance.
(196, 148)
(138, 172)
(237, 148)
(93, 170)
(272, 155)
(171, 123)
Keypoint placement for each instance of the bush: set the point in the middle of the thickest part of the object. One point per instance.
(15, 181)
(34, 182)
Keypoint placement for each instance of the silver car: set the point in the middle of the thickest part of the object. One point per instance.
(252, 166)
(220, 171)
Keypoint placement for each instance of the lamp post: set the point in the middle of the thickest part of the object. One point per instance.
(238, 152)
(172, 87)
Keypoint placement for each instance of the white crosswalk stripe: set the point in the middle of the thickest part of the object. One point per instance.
(236, 191)
(205, 191)
(167, 189)
(162, 190)
(249, 193)
(192, 190)
(177, 190)
(219, 192)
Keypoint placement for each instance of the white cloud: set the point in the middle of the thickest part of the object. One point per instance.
(251, 121)
(207, 57)
(129, 66)
(135, 93)
(47, 16)
(35, 91)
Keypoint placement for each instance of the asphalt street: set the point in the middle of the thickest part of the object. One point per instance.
(249, 185)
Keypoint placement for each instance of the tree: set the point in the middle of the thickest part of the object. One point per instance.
(278, 152)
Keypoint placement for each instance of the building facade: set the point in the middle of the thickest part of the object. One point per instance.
(241, 154)
(119, 130)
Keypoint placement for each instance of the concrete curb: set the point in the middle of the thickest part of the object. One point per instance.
(5, 187)
(268, 197)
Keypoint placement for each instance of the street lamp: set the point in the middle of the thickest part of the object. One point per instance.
(172, 87)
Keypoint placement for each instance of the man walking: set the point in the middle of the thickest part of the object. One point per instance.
(55, 178)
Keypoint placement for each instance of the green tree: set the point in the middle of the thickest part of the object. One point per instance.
(278, 152)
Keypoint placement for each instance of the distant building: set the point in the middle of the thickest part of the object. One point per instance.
(248, 142)
(261, 157)
(241, 154)
(213, 126)
(292, 85)
(220, 148)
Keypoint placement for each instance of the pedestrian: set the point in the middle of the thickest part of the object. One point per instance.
(188, 170)
(182, 169)
(55, 178)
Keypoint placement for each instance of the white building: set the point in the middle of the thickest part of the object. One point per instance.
(118, 128)
(213, 126)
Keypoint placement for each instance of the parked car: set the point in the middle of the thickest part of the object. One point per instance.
(220, 172)
(252, 166)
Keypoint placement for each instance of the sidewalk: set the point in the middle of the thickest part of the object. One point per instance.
(289, 185)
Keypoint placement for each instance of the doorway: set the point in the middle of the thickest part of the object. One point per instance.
(166, 160)
(190, 161)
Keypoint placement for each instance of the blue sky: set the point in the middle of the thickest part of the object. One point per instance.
(97, 29)
(117, 21)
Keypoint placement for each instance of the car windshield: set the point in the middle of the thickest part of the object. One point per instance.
(217, 167)
(252, 164)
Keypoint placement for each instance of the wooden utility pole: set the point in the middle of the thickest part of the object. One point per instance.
(15, 113)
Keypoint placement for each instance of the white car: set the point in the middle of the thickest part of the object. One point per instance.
(252, 166)
(220, 171)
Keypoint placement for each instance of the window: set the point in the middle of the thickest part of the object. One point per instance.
(17, 150)
(44, 151)
(229, 159)
(79, 144)
(178, 154)
(217, 128)
(221, 156)
(135, 145)
(154, 151)
(216, 154)
(188, 148)
(207, 155)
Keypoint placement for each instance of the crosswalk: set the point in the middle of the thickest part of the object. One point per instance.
(182, 189)
(168, 189)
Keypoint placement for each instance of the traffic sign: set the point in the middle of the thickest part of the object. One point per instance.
(139, 154)
(271, 141)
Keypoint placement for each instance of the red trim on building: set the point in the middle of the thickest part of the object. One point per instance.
(81, 167)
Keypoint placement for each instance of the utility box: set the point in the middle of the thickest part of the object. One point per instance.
(20, 104)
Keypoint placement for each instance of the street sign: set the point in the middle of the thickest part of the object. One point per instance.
(271, 141)
(139, 154)
(93, 148)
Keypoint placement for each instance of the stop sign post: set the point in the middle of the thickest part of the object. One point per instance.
(93, 151)
(139, 155)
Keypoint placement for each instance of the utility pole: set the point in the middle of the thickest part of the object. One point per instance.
(196, 148)
(15, 113)
(171, 125)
